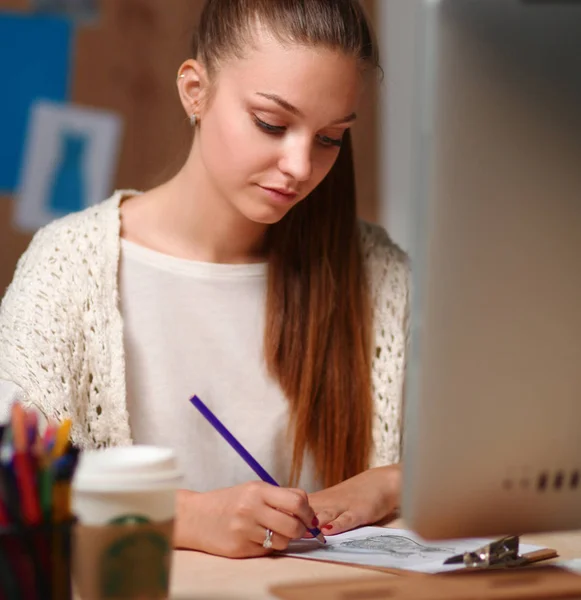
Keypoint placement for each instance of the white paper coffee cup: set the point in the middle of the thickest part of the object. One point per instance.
(124, 483)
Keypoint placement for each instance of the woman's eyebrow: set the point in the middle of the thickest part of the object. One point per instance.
(284, 104)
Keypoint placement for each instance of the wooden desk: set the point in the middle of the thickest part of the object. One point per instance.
(199, 576)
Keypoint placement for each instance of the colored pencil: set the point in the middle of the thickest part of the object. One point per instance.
(62, 439)
(244, 454)
(35, 492)
(14, 548)
(23, 469)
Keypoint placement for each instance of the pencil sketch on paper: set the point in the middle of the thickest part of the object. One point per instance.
(395, 546)
(387, 548)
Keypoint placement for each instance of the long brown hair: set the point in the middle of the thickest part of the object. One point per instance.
(318, 318)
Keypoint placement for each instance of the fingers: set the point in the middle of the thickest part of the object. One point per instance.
(286, 525)
(284, 528)
(260, 506)
(279, 542)
(343, 522)
(293, 502)
(327, 515)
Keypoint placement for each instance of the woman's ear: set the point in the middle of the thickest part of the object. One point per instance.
(192, 83)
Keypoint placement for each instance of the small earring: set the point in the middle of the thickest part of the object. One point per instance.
(180, 76)
(193, 119)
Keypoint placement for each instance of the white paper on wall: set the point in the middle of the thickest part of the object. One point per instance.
(69, 162)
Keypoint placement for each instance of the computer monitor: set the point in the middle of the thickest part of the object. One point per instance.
(492, 420)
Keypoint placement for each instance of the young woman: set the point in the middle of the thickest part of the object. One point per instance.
(245, 279)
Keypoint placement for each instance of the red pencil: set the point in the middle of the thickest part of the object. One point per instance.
(4, 518)
(24, 469)
(13, 545)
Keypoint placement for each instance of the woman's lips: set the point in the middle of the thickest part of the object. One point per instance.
(280, 195)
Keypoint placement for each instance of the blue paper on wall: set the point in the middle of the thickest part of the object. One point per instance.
(35, 65)
(80, 10)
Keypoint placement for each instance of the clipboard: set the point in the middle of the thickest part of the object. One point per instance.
(535, 583)
(495, 571)
(499, 554)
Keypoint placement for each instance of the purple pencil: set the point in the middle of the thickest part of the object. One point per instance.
(243, 453)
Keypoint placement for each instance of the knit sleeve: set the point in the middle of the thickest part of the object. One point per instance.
(9, 393)
(39, 343)
(389, 275)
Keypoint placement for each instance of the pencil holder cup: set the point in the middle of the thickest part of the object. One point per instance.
(35, 562)
(125, 500)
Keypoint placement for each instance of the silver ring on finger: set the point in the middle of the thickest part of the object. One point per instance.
(267, 544)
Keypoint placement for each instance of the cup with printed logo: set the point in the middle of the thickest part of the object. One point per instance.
(124, 499)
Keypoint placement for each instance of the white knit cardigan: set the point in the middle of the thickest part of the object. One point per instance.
(61, 330)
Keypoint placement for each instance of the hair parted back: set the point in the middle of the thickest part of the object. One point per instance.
(317, 340)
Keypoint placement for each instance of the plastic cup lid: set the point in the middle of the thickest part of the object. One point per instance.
(127, 468)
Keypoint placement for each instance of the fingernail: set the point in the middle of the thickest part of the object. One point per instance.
(327, 527)
(315, 522)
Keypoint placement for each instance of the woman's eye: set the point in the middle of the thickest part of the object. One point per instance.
(329, 141)
(268, 127)
(278, 129)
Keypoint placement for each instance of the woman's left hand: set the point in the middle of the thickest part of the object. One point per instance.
(364, 499)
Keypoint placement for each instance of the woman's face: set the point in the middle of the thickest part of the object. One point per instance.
(273, 126)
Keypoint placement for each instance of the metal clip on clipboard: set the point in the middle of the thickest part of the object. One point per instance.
(503, 552)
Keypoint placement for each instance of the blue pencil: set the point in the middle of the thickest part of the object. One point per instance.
(244, 454)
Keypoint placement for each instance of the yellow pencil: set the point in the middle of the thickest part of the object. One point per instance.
(62, 439)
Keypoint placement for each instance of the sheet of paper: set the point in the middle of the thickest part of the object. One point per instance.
(573, 564)
(69, 163)
(389, 548)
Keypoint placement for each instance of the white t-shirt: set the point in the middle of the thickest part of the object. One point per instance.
(197, 328)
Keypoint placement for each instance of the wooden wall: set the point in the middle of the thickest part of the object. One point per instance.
(127, 63)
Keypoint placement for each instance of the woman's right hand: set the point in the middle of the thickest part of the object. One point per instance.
(233, 521)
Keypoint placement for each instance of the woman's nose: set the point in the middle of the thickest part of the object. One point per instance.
(296, 161)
